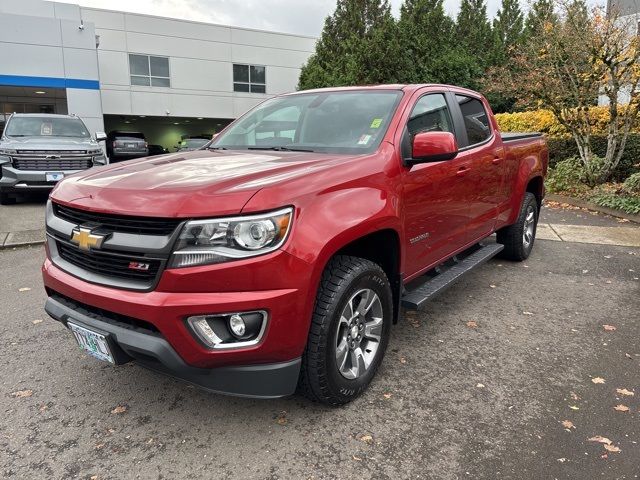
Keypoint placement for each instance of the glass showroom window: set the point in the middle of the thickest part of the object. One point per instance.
(149, 71)
(249, 78)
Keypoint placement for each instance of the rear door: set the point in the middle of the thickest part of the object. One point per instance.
(482, 151)
(434, 194)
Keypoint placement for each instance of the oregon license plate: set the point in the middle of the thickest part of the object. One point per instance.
(54, 176)
(95, 344)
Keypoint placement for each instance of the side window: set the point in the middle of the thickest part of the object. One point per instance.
(430, 114)
(476, 121)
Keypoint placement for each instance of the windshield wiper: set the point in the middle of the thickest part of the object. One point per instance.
(281, 149)
(217, 148)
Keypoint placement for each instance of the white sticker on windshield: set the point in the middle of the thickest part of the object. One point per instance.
(364, 139)
(46, 129)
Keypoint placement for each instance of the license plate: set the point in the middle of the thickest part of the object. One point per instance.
(131, 145)
(92, 343)
(54, 176)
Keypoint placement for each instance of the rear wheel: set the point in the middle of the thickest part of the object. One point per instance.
(349, 331)
(518, 238)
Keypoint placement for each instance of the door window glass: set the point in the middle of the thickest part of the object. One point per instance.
(430, 114)
(476, 121)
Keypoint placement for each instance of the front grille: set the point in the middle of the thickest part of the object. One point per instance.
(117, 223)
(109, 264)
(52, 164)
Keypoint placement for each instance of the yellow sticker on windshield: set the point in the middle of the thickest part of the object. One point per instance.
(376, 123)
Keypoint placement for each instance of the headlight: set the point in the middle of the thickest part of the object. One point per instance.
(204, 242)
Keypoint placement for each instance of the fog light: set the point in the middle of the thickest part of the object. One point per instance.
(237, 326)
(229, 330)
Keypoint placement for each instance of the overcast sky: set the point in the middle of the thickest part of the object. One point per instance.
(304, 17)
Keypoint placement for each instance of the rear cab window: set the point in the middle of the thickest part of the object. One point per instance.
(476, 120)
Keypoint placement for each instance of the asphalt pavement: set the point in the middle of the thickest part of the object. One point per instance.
(477, 386)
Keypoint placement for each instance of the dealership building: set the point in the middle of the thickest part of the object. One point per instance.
(165, 77)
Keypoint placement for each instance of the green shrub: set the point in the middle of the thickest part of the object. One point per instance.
(567, 176)
(632, 184)
(626, 203)
(561, 148)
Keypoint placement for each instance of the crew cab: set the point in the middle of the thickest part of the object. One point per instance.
(279, 257)
(37, 150)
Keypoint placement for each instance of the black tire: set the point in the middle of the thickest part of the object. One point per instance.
(320, 377)
(5, 199)
(513, 237)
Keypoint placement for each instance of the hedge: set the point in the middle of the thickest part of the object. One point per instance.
(562, 148)
(544, 121)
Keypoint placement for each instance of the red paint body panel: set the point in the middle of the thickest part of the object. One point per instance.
(435, 210)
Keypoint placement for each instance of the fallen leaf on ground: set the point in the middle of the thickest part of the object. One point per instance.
(597, 380)
(568, 424)
(22, 393)
(119, 409)
(366, 439)
(624, 391)
(612, 448)
(575, 396)
(24, 289)
(609, 328)
(282, 418)
(36, 322)
(386, 395)
(621, 408)
(480, 385)
(43, 408)
(472, 324)
(403, 360)
(527, 313)
(492, 286)
(600, 439)
(357, 459)
(562, 460)
(573, 407)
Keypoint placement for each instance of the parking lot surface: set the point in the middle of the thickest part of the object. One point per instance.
(477, 386)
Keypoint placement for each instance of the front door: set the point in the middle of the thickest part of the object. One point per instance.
(435, 194)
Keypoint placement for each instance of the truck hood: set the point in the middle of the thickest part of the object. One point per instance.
(186, 184)
(48, 143)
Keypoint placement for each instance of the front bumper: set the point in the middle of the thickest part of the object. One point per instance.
(14, 180)
(153, 351)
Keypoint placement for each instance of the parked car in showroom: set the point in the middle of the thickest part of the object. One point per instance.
(37, 150)
(279, 256)
(123, 145)
(157, 150)
(192, 143)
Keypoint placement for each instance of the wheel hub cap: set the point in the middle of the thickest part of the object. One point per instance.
(359, 333)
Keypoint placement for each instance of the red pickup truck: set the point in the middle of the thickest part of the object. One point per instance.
(278, 257)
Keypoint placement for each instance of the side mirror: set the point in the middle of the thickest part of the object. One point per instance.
(101, 136)
(432, 147)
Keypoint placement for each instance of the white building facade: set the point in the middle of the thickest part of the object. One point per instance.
(118, 70)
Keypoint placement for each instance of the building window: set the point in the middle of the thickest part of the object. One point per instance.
(149, 71)
(249, 78)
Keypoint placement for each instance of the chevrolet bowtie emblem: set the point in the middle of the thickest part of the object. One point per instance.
(86, 240)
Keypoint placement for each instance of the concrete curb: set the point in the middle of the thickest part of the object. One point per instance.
(25, 238)
(576, 202)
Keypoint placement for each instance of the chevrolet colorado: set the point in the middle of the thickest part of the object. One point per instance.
(280, 256)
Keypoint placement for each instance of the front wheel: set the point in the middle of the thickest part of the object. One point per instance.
(349, 331)
(518, 238)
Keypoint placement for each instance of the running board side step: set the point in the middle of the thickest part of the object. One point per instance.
(417, 298)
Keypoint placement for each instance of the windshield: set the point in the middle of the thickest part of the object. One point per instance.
(194, 143)
(337, 122)
(46, 127)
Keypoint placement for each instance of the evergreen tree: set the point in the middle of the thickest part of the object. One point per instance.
(427, 38)
(359, 45)
(541, 12)
(508, 27)
(473, 35)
